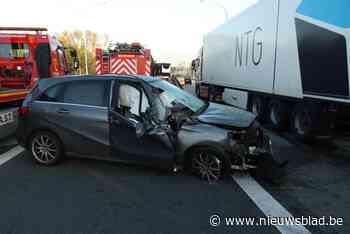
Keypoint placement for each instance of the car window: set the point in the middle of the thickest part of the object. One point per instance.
(92, 93)
(131, 101)
(53, 94)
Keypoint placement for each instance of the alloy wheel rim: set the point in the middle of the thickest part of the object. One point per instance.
(208, 166)
(44, 149)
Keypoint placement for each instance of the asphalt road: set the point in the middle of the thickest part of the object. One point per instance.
(85, 196)
(315, 183)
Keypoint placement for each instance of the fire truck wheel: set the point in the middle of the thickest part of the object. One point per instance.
(46, 148)
(278, 115)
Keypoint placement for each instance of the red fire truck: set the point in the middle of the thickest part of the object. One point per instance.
(124, 59)
(26, 55)
(131, 59)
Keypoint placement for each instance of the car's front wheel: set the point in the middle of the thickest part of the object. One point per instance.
(207, 164)
(46, 148)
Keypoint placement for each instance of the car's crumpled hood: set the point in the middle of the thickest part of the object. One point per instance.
(223, 115)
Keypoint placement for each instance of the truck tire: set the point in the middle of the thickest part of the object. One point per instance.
(257, 105)
(278, 115)
(303, 121)
(310, 122)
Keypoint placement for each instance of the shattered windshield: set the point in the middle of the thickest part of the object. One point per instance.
(171, 95)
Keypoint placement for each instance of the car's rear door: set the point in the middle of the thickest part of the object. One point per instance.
(78, 112)
(129, 103)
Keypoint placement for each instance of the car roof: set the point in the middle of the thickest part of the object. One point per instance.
(63, 79)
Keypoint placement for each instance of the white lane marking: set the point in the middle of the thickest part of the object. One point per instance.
(266, 203)
(10, 154)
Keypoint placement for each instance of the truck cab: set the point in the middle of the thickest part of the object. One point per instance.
(26, 55)
(123, 59)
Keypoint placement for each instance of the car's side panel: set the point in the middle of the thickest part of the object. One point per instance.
(82, 129)
(126, 146)
(199, 134)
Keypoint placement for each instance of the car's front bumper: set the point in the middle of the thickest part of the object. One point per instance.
(251, 157)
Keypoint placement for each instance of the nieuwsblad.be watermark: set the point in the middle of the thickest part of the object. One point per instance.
(217, 220)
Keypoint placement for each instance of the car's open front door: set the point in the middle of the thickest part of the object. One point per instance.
(130, 103)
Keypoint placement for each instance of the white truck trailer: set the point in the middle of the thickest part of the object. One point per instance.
(285, 60)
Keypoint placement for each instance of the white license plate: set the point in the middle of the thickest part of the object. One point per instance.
(6, 118)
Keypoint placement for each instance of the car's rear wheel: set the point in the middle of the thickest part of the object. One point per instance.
(208, 164)
(46, 148)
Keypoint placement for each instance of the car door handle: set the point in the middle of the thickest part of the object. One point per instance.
(63, 111)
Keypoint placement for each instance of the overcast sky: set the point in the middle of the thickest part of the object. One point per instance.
(172, 29)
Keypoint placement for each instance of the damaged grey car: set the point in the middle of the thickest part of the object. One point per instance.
(140, 120)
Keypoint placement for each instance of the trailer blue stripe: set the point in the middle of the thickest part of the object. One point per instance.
(335, 12)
